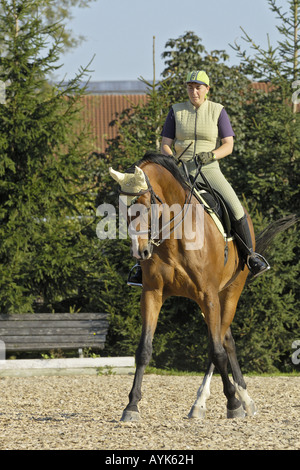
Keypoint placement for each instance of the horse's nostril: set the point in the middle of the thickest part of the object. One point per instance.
(146, 252)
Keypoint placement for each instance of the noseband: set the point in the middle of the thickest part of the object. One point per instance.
(154, 198)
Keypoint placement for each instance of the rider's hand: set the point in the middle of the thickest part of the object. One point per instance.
(205, 157)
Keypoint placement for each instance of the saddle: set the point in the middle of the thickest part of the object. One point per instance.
(215, 205)
(213, 202)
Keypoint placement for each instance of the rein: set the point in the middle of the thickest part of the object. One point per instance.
(154, 198)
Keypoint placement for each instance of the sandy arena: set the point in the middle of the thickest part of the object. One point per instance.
(83, 412)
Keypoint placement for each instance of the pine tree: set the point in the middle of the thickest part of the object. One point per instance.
(47, 252)
(55, 11)
(267, 322)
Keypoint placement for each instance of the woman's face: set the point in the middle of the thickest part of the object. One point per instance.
(197, 93)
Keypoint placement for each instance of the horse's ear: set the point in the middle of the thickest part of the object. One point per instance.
(140, 177)
(116, 175)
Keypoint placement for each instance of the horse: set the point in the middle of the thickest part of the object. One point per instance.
(171, 266)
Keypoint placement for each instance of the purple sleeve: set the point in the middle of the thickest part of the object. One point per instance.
(169, 129)
(224, 125)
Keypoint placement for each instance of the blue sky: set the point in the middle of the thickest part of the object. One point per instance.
(120, 32)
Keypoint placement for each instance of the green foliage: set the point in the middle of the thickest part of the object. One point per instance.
(267, 321)
(181, 339)
(119, 300)
(54, 11)
(47, 176)
(277, 64)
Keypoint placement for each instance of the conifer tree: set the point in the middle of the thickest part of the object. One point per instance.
(270, 181)
(54, 11)
(47, 210)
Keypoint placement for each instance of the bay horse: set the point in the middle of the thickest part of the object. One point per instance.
(170, 269)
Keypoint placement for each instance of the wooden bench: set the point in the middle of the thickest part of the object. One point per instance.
(48, 331)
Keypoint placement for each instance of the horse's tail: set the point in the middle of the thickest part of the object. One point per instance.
(265, 237)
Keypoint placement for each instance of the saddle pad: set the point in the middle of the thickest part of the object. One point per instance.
(200, 195)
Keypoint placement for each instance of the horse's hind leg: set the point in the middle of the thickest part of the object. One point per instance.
(228, 300)
(220, 359)
(198, 409)
(212, 313)
(239, 382)
(150, 308)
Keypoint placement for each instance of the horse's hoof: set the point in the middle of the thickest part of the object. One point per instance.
(197, 412)
(251, 409)
(130, 416)
(238, 413)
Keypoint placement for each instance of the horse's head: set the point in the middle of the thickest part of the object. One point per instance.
(136, 195)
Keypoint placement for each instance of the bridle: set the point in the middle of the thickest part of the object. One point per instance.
(142, 192)
(155, 200)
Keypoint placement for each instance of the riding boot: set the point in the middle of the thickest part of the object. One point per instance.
(135, 279)
(256, 263)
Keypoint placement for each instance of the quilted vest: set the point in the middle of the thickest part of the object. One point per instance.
(196, 125)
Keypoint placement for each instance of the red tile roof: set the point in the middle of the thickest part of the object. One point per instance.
(100, 110)
(261, 86)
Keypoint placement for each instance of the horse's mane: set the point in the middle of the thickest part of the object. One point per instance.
(166, 161)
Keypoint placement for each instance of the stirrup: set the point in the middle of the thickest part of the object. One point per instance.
(136, 279)
(262, 267)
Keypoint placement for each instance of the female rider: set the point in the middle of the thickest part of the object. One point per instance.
(204, 124)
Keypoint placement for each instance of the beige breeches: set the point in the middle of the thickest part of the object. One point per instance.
(218, 182)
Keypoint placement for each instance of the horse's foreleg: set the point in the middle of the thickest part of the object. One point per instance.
(142, 358)
(150, 308)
